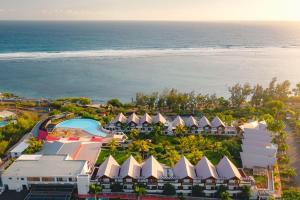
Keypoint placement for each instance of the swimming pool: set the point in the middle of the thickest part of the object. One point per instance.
(89, 125)
(3, 123)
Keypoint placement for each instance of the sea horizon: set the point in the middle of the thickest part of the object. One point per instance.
(116, 59)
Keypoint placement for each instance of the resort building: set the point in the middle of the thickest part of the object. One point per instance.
(117, 123)
(255, 134)
(194, 126)
(30, 170)
(183, 176)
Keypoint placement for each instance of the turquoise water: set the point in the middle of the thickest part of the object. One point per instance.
(3, 123)
(88, 125)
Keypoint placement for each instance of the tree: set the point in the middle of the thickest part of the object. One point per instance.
(291, 194)
(35, 145)
(246, 193)
(195, 156)
(197, 191)
(134, 133)
(139, 191)
(239, 94)
(258, 96)
(172, 156)
(113, 145)
(142, 146)
(3, 147)
(169, 189)
(95, 190)
(297, 90)
(180, 130)
(115, 103)
(225, 196)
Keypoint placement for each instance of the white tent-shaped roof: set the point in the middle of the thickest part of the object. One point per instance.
(159, 119)
(178, 121)
(146, 118)
(133, 118)
(184, 169)
(227, 170)
(216, 122)
(204, 122)
(205, 169)
(109, 168)
(191, 121)
(152, 168)
(130, 168)
(119, 118)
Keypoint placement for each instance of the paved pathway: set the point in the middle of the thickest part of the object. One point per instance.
(293, 152)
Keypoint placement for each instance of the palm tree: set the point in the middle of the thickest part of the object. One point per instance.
(95, 190)
(172, 156)
(113, 145)
(195, 156)
(180, 130)
(142, 146)
(139, 191)
(225, 196)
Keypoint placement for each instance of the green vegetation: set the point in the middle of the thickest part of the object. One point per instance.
(261, 181)
(291, 194)
(13, 132)
(35, 145)
(95, 190)
(169, 189)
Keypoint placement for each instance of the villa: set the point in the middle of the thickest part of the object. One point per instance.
(183, 176)
(194, 126)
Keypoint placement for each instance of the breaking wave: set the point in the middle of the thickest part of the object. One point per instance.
(131, 53)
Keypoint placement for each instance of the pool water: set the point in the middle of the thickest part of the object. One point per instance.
(89, 125)
(3, 123)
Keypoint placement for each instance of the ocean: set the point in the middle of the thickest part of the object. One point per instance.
(104, 60)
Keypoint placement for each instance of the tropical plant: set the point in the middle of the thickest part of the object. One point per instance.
(139, 191)
(95, 189)
(180, 130)
(225, 196)
(169, 189)
(142, 146)
(113, 145)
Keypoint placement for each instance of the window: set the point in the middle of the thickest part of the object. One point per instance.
(48, 179)
(10, 178)
(61, 179)
(22, 179)
(33, 178)
(72, 179)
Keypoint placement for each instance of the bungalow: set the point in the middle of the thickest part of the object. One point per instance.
(207, 176)
(151, 172)
(129, 173)
(192, 125)
(204, 124)
(183, 176)
(178, 121)
(133, 121)
(145, 123)
(117, 123)
(218, 126)
(108, 172)
(185, 173)
(160, 119)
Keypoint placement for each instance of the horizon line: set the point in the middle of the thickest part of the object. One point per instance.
(146, 20)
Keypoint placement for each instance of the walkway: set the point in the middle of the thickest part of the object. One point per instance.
(293, 142)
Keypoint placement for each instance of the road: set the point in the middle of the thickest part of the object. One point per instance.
(293, 142)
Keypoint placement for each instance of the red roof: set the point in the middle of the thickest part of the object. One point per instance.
(73, 138)
(51, 138)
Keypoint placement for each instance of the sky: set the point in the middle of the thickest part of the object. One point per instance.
(170, 10)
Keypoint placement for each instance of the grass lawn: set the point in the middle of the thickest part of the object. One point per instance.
(120, 156)
(261, 181)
